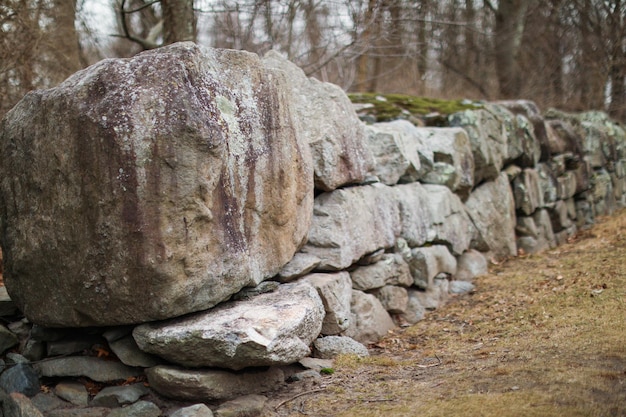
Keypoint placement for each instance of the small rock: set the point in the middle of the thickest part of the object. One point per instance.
(246, 406)
(300, 265)
(81, 412)
(18, 405)
(308, 374)
(118, 396)
(13, 358)
(117, 332)
(211, 384)
(316, 364)
(95, 368)
(372, 320)
(74, 392)
(34, 350)
(139, 409)
(20, 378)
(460, 287)
(128, 352)
(331, 346)
(46, 402)
(8, 339)
(197, 410)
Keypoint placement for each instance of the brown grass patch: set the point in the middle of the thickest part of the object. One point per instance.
(543, 335)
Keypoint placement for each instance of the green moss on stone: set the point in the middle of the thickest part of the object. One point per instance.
(385, 107)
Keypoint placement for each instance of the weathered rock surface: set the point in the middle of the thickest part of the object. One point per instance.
(138, 409)
(245, 406)
(154, 168)
(470, 265)
(371, 319)
(394, 299)
(196, 410)
(211, 384)
(432, 213)
(273, 328)
(117, 396)
(527, 191)
(428, 262)
(300, 265)
(488, 140)
(349, 223)
(395, 153)
(390, 270)
(73, 392)
(451, 147)
(20, 378)
(335, 290)
(95, 368)
(492, 209)
(331, 127)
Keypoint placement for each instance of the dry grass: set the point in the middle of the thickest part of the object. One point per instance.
(543, 335)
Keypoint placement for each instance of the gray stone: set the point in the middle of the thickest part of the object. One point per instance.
(317, 364)
(7, 339)
(428, 262)
(17, 405)
(304, 375)
(171, 160)
(390, 270)
(335, 290)
(488, 140)
(394, 299)
(432, 213)
(73, 392)
(13, 358)
(560, 216)
(531, 152)
(563, 138)
(415, 311)
(196, 410)
(394, 152)
(352, 222)
(46, 402)
(128, 352)
(211, 384)
(372, 320)
(527, 191)
(34, 350)
(330, 347)
(335, 134)
(549, 184)
(492, 209)
(434, 296)
(300, 265)
(80, 412)
(95, 368)
(411, 153)
(450, 148)
(138, 409)
(567, 185)
(460, 287)
(470, 265)
(246, 406)
(118, 396)
(20, 378)
(274, 328)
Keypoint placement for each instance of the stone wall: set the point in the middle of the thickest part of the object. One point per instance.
(230, 213)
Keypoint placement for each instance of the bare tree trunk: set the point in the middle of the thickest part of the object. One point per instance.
(509, 29)
(178, 20)
(64, 39)
(362, 71)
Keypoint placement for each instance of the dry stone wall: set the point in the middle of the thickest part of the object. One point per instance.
(233, 214)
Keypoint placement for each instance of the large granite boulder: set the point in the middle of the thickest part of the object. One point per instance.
(332, 128)
(146, 188)
(273, 328)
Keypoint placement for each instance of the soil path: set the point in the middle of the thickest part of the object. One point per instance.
(542, 335)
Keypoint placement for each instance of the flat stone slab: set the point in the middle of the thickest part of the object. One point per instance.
(94, 368)
(274, 328)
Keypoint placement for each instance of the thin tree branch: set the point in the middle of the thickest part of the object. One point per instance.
(144, 43)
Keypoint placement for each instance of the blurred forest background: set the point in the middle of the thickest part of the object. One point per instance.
(569, 54)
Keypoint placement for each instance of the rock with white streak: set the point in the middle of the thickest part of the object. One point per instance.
(335, 290)
(335, 134)
(274, 328)
(175, 177)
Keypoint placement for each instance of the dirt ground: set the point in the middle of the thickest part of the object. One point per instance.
(542, 335)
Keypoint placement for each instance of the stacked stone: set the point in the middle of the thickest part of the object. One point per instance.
(217, 218)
